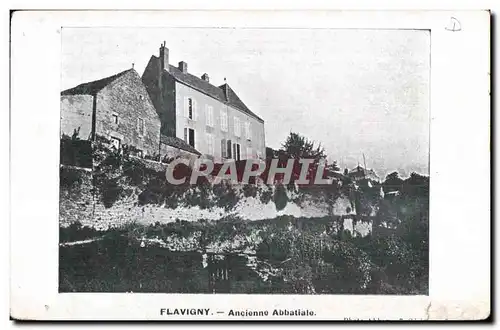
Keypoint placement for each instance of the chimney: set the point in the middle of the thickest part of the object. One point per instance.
(163, 57)
(205, 77)
(183, 66)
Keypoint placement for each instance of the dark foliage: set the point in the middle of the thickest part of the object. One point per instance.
(76, 152)
(111, 191)
(225, 195)
(280, 197)
(266, 196)
(69, 178)
(250, 190)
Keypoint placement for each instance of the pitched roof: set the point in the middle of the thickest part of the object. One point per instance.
(178, 143)
(218, 93)
(92, 87)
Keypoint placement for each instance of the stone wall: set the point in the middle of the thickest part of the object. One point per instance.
(77, 202)
(76, 114)
(127, 98)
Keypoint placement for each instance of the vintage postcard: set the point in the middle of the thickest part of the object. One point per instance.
(208, 166)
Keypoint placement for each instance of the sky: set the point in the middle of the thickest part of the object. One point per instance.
(355, 91)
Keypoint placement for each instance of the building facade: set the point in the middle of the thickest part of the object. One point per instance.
(117, 108)
(212, 119)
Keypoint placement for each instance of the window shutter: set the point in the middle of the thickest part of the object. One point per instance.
(195, 110)
(223, 148)
(186, 107)
(143, 127)
(207, 115)
(229, 154)
(248, 131)
(185, 135)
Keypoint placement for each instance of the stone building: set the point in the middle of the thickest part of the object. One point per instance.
(118, 108)
(212, 119)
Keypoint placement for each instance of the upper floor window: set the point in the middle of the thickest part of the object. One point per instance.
(141, 129)
(223, 120)
(209, 115)
(114, 117)
(190, 108)
(237, 128)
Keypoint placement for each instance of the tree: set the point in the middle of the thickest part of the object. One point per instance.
(298, 146)
(393, 182)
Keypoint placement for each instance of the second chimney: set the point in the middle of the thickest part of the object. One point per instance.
(183, 66)
(205, 77)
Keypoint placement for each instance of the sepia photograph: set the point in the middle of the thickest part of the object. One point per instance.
(300, 158)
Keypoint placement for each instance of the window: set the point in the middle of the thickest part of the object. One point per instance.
(223, 120)
(115, 142)
(189, 136)
(237, 128)
(210, 144)
(140, 126)
(190, 108)
(248, 130)
(114, 117)
(209, 115)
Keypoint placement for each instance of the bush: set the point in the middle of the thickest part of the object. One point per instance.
(280, 197)
(68, 177)
(199, 195)
(266, 196)
(135, 171)
(249, 190)
(110, 192)
(225, 195)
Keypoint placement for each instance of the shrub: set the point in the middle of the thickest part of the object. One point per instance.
(135, 171)
(280, 197)
(249, 190)
(199, 195)
(225, 195)
(110, 192)
(266, 196)
(68, 177)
